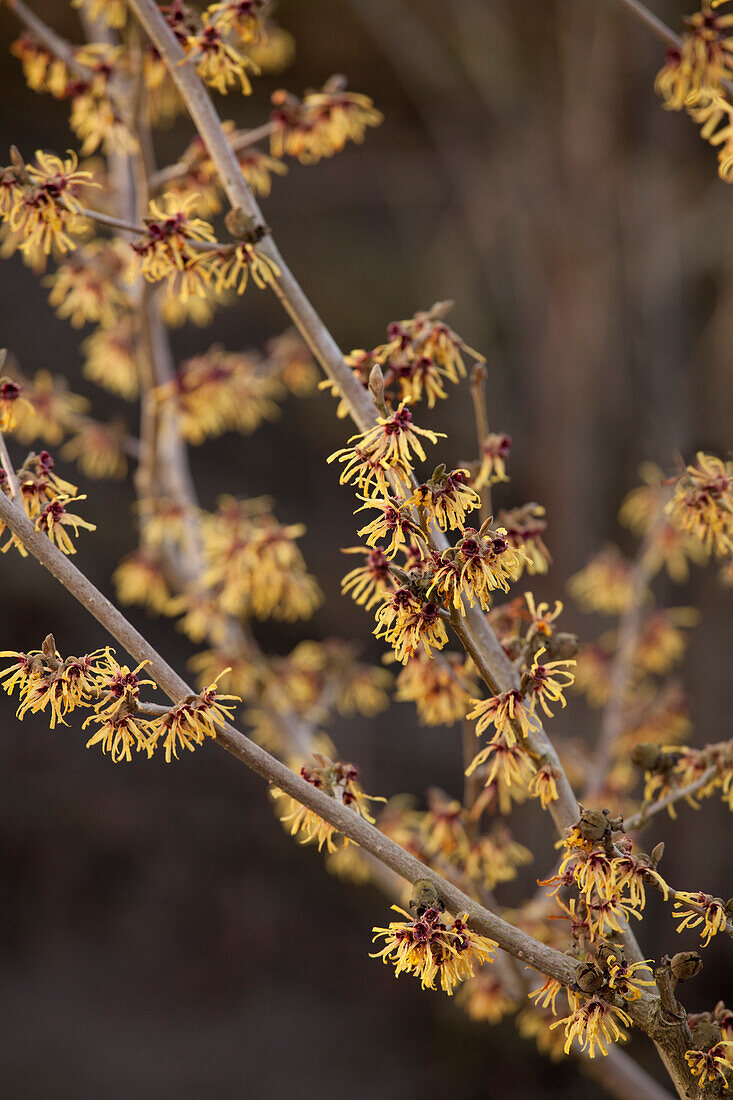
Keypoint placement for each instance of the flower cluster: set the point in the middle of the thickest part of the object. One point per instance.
(254, 565)
(45, 497)
(421, 354)
(221, 391)
(46, 680)
(321, 123)
(430, 948)
(340, 782)
(40, 203)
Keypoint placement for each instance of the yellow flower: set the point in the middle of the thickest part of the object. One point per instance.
(524, 528)
(340, 782)
(495, 450)
(241, 17)
(702, 504)
(97, 448)
(43, 71)
(292, 363)
(111, 12)
(426, 334)
(86, 287)
(254, 564)
(218, 63)
(483, 999)
(188, 723)
(609, 915)
(493, 858)
(446, 498)
(46, 679)
(507, 766)
(139, 579)
(391, 444)
(546, 995)
(39, 201)
(440, 688)
(547, 681)
(430, 949)
(234, 266)
(120, 731)
(220, 391)
(406, 623)
(393, 522)
(508, 715)
(55, 411)
(168, 246)
(693, 71)
(12, 403)
(711, 1066)
(39, 483)
(480, 563)
(700, 909)
(543, 785)
(371, 582)
(55, 519)
(111, 359)
(604, 585)
(595, 1024)
(321, 124)
(624, 979)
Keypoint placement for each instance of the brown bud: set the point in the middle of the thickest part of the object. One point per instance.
(376, 388)
(589, 978)
(425, 896)
(563, 646)
(657, 853)
(18, 165)
(593, 825)
(242, 226)
(646, 756)
(685, 965)
(49, 647)
(608, 952)
(335, 83)
(706, 1034)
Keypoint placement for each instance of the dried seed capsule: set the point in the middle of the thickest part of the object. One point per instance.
(593, 825)
(685, 965)
(589, 978)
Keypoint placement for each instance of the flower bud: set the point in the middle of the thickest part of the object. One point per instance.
(593, 825)
(589, 978)
(425, 896)
(563, 646)
(685, 965)
(646, 756)
(607, 952)
(376, 388)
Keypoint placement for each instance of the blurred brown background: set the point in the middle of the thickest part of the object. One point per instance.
(160, 935)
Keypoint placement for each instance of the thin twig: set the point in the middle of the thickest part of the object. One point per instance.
(659, 29)
(243, 139)
(612, 719)
(478, 397)
(646, 813)
(345, 820)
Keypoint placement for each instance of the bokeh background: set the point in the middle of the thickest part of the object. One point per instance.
(160, 935)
